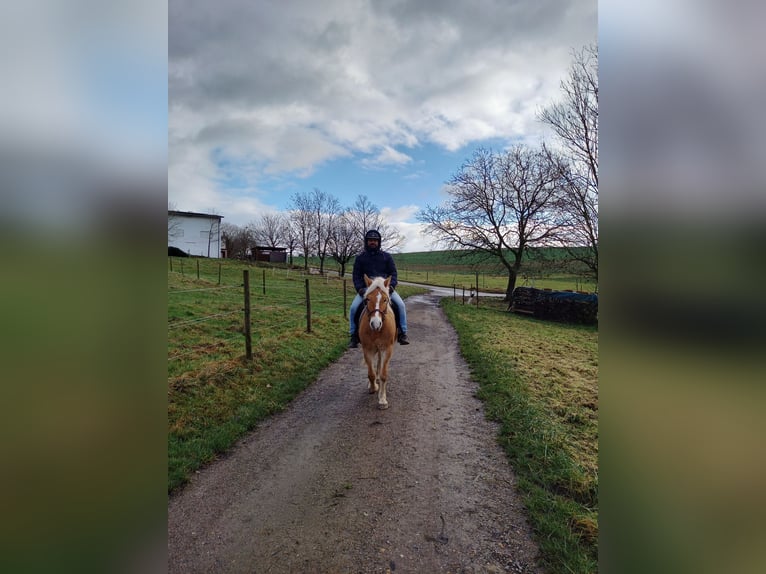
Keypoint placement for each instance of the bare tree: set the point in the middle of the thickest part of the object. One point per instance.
(574, 120)
(365, 215)
(314, 216)
(327, 211)
(174, 224)
(500, 205)
(289, 235)
(269, 230)
(345, 241)
(214, 232)
(302, 220)
(236, 239)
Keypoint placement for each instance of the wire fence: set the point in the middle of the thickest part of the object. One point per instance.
(217, 310)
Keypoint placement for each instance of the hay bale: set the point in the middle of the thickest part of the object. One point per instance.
(565, 306)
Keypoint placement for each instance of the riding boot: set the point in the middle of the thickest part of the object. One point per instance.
(354, 341)
(403, 340)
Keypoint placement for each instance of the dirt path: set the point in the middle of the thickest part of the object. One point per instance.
(335, 485)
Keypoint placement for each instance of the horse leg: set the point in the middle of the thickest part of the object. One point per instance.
(385, 358)
(378, 362)
(369, 358)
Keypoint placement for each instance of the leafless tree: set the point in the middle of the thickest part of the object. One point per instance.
(345, 241)
(500, 205)
(236, 239)
(268, 230)
(365, 215)
(327, 212)
(290, 235)
(214, 233)
(174, 224)
(574, 120)
(314, 216)
(302, 220)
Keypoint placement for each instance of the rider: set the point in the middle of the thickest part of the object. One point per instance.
(374, 262)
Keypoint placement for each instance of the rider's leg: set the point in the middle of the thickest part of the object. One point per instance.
(399, 302)
(352, 312)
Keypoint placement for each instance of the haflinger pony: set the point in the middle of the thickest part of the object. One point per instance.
(377, 333)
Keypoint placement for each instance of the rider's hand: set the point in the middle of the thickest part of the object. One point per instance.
(361, 292)
(390, 290)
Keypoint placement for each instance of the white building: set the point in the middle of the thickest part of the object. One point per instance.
(195, 233)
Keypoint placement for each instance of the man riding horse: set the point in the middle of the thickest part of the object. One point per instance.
(374, 262)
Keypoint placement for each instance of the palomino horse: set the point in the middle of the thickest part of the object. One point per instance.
(377, 333)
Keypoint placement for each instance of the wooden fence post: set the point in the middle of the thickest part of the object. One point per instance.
(197, 269)
(477, 289)
(308, 307)
(248, 333)
(264, 281)
(171, 263)
(219, 273)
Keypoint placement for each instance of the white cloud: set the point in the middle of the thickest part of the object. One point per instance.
(359, 75)
(386, 157)
(280, 89)
(403, 218)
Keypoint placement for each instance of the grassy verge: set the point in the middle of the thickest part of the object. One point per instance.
(215, 395)
(539, 380)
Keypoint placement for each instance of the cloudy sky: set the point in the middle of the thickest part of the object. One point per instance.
(379, 98)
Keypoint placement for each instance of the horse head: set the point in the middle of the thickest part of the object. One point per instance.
(376, 300)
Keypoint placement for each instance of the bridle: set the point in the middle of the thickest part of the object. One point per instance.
(384, 300)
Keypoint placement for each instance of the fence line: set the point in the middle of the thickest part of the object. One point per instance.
(290, 299)
(201, 319)
(205, 289)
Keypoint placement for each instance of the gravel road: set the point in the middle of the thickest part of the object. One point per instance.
(334, 485)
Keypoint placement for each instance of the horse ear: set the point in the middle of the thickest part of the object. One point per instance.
(387, 281)
(367, 280)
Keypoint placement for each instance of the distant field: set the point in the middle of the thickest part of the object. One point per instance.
(545, 268)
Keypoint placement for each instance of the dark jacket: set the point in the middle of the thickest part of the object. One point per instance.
(375, 263)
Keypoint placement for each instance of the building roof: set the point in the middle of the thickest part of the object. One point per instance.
(193, 214)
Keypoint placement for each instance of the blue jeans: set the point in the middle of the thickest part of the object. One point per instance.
(395, 298)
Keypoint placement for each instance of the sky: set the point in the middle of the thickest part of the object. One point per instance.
(355, 97)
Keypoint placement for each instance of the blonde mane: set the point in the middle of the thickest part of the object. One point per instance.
(377, 282)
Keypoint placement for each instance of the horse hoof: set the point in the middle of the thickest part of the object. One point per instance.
(382, 406)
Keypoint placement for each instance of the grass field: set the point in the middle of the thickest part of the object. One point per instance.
(538, 379)
(545, 269)
(214, 395)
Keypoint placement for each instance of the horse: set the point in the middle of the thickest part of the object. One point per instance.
(377, 334)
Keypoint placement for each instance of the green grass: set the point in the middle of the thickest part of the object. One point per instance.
(544, 269)
(539, 381)
(215, 395)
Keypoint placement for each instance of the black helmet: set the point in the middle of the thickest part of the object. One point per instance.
(372, 234)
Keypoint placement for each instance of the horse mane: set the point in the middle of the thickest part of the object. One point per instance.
(377, 282)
